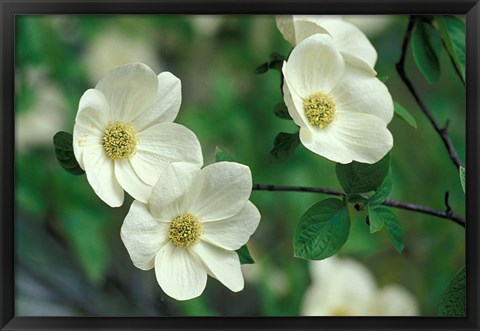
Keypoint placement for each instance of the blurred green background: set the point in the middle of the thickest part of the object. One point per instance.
(69, 256)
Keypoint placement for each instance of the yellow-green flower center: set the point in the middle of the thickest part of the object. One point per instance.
(319, 109)
(185, 230)
(119, 141)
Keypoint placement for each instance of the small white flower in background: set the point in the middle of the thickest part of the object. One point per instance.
(350, 41)
(341, 110)
(344, 287)
(123, 135)
(194, 221)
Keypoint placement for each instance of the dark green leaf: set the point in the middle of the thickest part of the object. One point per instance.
(261, 69)
(244, 255)
(462, 177)
(375, 220)
(358, 177)
(382, 192)
(452, 303)
(453, 32)
(221, 155)
(284, 146)
(404, 114)
(282, 111)
(62, 141)
(426, 47)
(391, 224)
(322, 230)
(275, 61)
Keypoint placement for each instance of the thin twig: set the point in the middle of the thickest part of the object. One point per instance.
(449, 214)
(443, 132)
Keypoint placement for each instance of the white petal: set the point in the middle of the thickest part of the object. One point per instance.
(233, 232)
(92, 118)
(352, 43)
(100, 175)
(359, 92)
(314, 65)
(166, 105)
(306, 27)
(222, 264)
(394, 300)
(293, 102)
(170, 195)
(143, 235)
(161, 144)
(129, 90)
(179, 274)
(350, 137)
(286, 27)
(131, 182)
(225, 190)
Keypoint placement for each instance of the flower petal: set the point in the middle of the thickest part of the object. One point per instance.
(143, 235)
(171, 194)
(166, 105)
(294, 103)
(179, 274)
(131, 182)
(129, 90)
(314, 65)
(306, 27)
(359, 92)
(286, 27)
(233, 232)
(350, 137)
(394, 300)
(222, 264)
(224, 192)
(92, 118)
(161, 144)
(100, 175)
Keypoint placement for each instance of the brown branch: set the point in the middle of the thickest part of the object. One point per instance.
(448, 214)
(443, 132)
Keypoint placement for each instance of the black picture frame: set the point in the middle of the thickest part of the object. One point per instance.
(10, 8)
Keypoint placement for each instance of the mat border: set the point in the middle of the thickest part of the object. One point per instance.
(10, 8)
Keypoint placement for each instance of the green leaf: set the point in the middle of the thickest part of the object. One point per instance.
(281, 111)
(261, 69)
(391, 224)
(358, 177)
(244, 255)
(322, 230)
(383, 78)
(221, 155)
(402, 113)
(452, 303)
(382, 192)
(275, 61)
(62, 141)
(426, 47)
(452, 30)
(462, 177)
(284, 146)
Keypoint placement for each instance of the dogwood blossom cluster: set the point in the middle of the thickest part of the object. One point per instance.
(186, 221)
(331, 90)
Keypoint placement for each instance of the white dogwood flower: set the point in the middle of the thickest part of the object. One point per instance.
(344, 287)
(195, 220)
(342, 111)
(351, 42)
(124, 136)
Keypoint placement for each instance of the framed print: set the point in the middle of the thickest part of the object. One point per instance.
(239, 165)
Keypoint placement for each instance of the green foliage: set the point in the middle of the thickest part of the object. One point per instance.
(382, 192)
(452, 303)
(426, 47)
(462, 177)
(358, 177)
(402, 113)
(244, 255)
(281, 111)
(284, 146)
(452, 30)
(62, 141)
(322, 230)
(275, 61)
(221, 155)
(382, 215)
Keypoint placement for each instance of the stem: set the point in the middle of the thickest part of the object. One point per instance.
(443, 132)
(447, 214)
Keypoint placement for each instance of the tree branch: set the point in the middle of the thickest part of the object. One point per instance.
(448, 214)
(443, 132)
